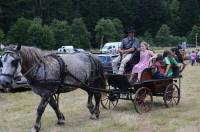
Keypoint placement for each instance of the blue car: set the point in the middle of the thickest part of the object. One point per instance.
(106, 60)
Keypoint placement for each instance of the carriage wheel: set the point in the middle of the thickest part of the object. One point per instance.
(143, 100)
(171, 95)
(109, 100)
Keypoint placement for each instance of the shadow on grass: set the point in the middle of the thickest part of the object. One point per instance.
(129, 106)
(15, 90)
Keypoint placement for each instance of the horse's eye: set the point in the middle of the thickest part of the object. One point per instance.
(15, 62)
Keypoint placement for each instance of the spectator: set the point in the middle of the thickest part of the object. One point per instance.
(193, 57)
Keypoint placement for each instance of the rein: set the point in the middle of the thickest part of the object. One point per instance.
(29, 70)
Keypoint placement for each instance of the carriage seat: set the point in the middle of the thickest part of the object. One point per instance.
(118, 81)
(147, 74)
(134, 60)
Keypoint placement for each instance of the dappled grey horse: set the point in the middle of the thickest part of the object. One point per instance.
(52, 74)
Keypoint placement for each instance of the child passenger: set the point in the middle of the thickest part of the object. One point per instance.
(169, 60)
(145, 57)
(160, 72)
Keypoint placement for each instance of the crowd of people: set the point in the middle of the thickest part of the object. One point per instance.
(168, 64)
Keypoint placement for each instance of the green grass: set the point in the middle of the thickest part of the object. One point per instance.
(17, 112)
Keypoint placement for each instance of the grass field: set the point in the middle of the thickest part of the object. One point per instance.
(17, 112)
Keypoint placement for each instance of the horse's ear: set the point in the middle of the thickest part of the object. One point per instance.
(2, 47)
(18, 47)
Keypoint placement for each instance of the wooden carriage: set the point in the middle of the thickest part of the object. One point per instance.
(141, 93)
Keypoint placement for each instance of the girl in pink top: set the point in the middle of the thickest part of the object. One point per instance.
(193, 57)
(145, 57)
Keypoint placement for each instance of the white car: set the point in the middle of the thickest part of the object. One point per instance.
(111, 47)
(66, 49)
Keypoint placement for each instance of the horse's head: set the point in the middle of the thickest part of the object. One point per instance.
(11, 61)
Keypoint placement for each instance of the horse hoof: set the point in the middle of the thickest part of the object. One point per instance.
(35, 129)
(61, 122)
(93, 117)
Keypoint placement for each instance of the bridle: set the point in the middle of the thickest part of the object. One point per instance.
(19, 60)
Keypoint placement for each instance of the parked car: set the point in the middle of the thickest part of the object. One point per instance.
(111, 47)
(106, 60)
(66, 49)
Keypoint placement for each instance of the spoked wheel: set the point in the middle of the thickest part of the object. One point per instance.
(143, 100)
(171, 95)
(109, 100)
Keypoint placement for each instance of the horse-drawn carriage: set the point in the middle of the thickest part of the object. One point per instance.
(141, 93)
(49, 75)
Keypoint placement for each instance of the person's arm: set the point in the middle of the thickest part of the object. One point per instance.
(183, 66)
(153, 55)
(129, 50)
(167, 62)
(174, 61)
(167, 69)
(134, 47)
(121, 50)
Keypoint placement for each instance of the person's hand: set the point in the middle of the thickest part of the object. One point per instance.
(125, 52)
(150, 60)
(165, 74)
(121, 51)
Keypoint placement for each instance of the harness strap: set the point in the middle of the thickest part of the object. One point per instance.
(62, 67)
(95, 66)
(64, 71)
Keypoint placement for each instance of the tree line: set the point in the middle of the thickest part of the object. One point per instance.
(90, 23)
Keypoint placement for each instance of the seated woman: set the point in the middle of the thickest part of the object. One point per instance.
(169, 61)
(145, 57)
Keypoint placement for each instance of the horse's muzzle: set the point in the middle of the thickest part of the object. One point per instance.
(5, 82)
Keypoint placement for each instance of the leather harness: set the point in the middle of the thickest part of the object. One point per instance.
(95, 74)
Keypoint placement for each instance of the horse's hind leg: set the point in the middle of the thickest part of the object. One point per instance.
(55, 106)
(90, 105)
(43, 103)
(97, 97)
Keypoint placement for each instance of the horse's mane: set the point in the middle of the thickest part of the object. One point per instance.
(29, 55)
(32, 53)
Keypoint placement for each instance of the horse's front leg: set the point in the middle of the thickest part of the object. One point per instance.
(43, 103)
(60, 116)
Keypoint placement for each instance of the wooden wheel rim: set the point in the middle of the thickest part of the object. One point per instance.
(107, 103)
(143, 100)
(171, 95)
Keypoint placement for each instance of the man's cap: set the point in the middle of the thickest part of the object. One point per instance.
(131, 30)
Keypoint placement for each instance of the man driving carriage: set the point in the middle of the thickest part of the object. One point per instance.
(128, 47)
